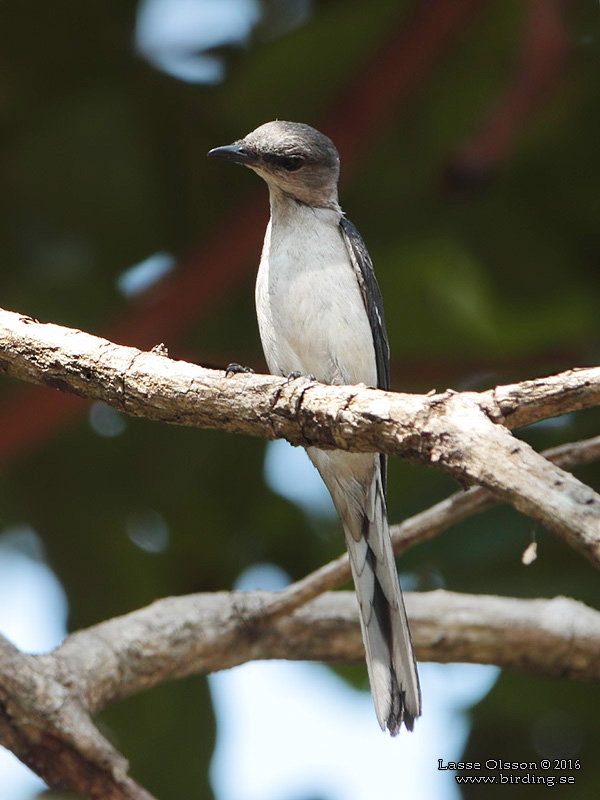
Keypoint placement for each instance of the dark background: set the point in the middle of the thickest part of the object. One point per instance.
(468, 133)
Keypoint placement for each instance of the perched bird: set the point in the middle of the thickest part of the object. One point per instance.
(320, 313)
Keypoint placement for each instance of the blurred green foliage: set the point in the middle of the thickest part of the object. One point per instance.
(487, 279)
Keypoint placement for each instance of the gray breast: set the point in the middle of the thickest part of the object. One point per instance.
(310, 310)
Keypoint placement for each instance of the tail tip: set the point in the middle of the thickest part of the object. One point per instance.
(394, 722)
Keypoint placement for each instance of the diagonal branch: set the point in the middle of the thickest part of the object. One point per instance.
(44, 723)
(462, 433)
(427, 524)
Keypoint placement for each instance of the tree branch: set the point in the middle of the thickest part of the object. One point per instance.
(44, 723)
(204, 633)
(427, 524)
(46, 700)
(463, 434)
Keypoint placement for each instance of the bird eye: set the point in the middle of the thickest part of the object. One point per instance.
(292, 163)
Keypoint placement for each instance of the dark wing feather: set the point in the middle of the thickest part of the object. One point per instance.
(369, 288)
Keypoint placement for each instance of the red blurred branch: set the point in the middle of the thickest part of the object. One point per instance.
(541, 64)
(396, 73)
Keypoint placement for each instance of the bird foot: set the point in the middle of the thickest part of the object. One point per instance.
(236, 369)
(294, 375)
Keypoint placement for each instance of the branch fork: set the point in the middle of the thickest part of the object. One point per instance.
(47, 702)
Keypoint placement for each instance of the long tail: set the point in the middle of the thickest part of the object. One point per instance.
(386, 635)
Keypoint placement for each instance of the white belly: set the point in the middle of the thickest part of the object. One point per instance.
(311, 314)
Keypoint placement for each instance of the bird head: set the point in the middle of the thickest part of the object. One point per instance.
(294, 159)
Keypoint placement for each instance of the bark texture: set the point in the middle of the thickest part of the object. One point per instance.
(47, 701)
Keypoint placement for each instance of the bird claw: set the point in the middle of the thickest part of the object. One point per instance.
(236, 369)
(295, 375)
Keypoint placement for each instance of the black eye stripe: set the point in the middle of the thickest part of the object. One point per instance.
(292, 163)
(289, 163)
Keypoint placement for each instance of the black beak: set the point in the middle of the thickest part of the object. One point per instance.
(232, 152)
